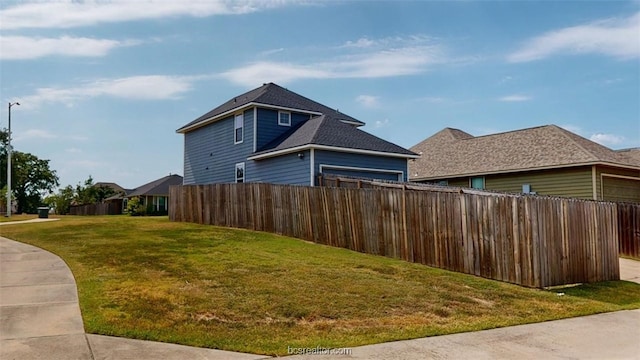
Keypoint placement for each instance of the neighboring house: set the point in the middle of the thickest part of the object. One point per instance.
(155, 195)
(115, 187)
(273, 135)
(546, 160)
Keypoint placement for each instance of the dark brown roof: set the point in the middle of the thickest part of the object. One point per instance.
(158, 187)
(451, 152)
(117, 188)
(274, 95)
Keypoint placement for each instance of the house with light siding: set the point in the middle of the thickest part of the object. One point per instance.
(273, 135)
(545, 160)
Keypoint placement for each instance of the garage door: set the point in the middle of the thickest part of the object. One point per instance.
(362, 173)
(620, 189)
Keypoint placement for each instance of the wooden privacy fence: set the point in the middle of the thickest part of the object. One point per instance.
(96, 209)
(628, 213)
(530, 241)
(629, 229)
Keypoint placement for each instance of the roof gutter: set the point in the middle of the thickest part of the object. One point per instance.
(445, 176)
(329, 148)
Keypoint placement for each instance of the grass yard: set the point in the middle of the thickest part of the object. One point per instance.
(148, 278)
(17, 217)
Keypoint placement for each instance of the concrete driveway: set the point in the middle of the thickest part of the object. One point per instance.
(40, 319)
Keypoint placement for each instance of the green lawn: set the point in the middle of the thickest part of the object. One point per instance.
(148, 278)
(16, 217)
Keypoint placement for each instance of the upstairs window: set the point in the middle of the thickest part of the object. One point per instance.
(238, 129)
(240, 172)
(284, 118)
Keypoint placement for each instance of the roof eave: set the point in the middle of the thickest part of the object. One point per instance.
(207, 121)
(329, 148)
(427, 178)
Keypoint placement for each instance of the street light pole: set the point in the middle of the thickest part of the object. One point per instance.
(9, 163)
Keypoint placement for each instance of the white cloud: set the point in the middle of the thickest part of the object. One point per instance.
(69, 13)
(404, 57)
(34, 134)
(382, 123)
(600, 138)
(22, 47)
(73, 151)
(515, 98)
(360, 43)
(270, 52)
(151, 87)
(606, 139)
(368, 100)
(616, 37)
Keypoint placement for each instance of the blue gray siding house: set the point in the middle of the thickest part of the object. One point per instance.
(273, 135)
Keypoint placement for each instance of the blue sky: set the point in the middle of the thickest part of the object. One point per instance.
(104, 85)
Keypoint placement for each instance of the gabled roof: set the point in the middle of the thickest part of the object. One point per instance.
(329, 133)
(158, 187)
(268, 95)
(117, 188)
(452, 152)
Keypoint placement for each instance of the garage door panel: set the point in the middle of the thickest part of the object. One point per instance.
(620, 189)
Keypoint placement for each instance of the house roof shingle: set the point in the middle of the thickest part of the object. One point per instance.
(117, 188)
(328, 131)
(157, 187)
(452, 152)
(273, 95)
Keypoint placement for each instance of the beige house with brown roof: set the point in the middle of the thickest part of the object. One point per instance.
(545, 160)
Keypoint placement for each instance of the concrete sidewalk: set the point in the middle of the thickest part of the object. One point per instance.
(27, 221)
(40, 316)
(40, 319)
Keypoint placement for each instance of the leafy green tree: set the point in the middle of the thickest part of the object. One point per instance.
(89, 193)
(30, 176)
(61, 201)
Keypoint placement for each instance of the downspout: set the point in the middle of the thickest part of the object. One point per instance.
(312, 165)
(593, 182)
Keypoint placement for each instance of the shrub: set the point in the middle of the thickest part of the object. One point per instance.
(135, 207)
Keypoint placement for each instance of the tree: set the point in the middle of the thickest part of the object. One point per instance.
(61, 201)
(30, 176)
(89, 193)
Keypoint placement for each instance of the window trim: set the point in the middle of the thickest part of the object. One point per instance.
(284, 112)
(235, 128)
(244, 175)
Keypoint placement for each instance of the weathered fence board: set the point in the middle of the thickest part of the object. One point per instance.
(530, 241)
(96, 209)
(629, 229)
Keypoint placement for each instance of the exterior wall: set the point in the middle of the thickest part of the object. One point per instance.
(210, 154)
(630, 189)
(322, 157)
(285, 169)
(268, 128)
(567, 182)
